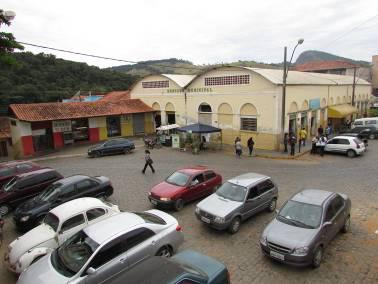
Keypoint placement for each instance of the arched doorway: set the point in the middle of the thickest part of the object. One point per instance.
(205, 114)
(157, 114)
(170, 112)
(293, 109)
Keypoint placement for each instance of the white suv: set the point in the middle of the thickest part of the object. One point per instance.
(351, 146)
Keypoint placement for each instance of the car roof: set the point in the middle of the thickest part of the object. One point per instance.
(76, 206)
(312, 196)
(150, 271)
(112, 226)
(15, 163)
(342, 137)
(36, 172)
(72, 179)
(248, 179)
(193, 170)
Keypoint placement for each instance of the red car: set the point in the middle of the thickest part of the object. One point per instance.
(185, 185)
(13, 168)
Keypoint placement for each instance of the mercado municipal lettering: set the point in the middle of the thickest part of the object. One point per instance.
(191, 90)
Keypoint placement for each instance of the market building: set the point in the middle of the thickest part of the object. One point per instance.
(37, 128)
(246, 102)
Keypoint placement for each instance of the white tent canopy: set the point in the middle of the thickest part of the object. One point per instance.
(168, 127)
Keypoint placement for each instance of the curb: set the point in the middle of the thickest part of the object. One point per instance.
(283, 158)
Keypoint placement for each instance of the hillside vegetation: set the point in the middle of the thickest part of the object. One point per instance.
(313, 55)
(44, 78)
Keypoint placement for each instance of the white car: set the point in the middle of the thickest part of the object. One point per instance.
(351, 146)
(58, 225)
(98, 252)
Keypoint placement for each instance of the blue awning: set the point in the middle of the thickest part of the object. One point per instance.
(199, 128)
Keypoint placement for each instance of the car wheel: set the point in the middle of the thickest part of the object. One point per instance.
(97, 155)
(371, 136)
(4, 209)
(235, 225)
(272, 205)
(164, 252)
(346, 227)
(179, 204)
(126, 151)
(351, 153)
(317, 258)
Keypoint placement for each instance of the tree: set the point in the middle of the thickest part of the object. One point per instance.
(7, 41)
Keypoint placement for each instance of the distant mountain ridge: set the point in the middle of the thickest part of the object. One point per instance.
(314, 55)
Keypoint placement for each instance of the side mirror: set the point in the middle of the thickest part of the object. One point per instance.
(91, 271)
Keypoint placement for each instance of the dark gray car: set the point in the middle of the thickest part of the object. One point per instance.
(110, 147)
(236, 200)
(304, 227)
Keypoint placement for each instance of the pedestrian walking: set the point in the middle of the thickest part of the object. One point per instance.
(314, 141)
(322, 142)
(303, 136)
(238, 149)
(286, 141)
(293, 141)
(148, 162)
(250, 144)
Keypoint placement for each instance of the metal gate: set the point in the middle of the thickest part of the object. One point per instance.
(138, 123)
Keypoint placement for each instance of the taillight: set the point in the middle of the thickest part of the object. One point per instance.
(178, 228)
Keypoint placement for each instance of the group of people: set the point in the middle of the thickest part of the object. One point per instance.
(239, 148)
(291, 139)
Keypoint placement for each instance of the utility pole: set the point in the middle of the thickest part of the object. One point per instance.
(354, 84)
(283, 94)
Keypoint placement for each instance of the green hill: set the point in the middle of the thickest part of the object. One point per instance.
(313, 55)
(44, 78)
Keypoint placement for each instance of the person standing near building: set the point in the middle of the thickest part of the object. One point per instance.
(286, 141)
(303, 136)
(293, 141)
(148, 162)
(322, 143)
(320, 131)
(238, 148)
(250, 144)
(314, 141)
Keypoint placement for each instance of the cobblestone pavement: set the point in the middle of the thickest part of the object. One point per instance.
(350, 258)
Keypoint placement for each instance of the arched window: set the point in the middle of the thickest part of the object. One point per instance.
(205, 114)
(248, 117)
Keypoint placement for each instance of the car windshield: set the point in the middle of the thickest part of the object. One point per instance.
(51, 192)
(178, 178)
(70, 257)
(150, 218)
(52, 221)
(232, 191)
(300, 214)
(8, 186)
(6, 171)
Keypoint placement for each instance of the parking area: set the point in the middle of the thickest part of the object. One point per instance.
(350, 258)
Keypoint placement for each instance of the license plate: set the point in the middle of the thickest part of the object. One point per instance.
(277, 255)
(154, 202)
(206, 220)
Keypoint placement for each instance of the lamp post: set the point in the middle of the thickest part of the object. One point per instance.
(285, 73)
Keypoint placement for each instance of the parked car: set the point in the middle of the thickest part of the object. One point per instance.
(113, 146)
(10, 169)
(185, 185)
(304, 227)
(362, 132)
(25, 186)
(366, 121)
(60, 223)
(108, 247)
(185, 267)
(32, 212)
(350, 146)
(236, 200)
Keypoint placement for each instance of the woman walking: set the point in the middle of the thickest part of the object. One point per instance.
(148, 161)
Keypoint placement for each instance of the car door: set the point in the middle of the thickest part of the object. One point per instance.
(107, 148)
(87, 188)
(67, 193)
(329, 226)
(196, 188)
(25, 189)
(251, 203)
(211, 182)
(344, 145)
(265, 194)
(70, 227)
(332, 145)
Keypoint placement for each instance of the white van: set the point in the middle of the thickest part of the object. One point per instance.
(368, 121)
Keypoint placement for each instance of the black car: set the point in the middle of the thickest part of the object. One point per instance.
(362, 132)
(114, 146)
(185, 267)
(30, 213)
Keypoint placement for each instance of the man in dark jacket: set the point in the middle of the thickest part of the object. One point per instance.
(293, 141)
(250, 144)
(148, 161)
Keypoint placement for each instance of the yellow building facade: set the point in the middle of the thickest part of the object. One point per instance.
(247, 102)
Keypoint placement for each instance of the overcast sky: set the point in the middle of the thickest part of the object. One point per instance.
(201, 31)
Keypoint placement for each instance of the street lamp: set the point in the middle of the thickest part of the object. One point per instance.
(285, 73)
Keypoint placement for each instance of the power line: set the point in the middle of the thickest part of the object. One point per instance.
(349, 31)
(106, 58)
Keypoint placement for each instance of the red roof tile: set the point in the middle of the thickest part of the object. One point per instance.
(72, 110)
(116, 96)
(324, 65)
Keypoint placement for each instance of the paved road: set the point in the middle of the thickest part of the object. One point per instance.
(351, 258)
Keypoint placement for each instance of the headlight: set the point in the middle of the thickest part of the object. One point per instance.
(25, 218)
(301, 251)
(197, 210)
(263, 240)
(165, 199)
(219, 220)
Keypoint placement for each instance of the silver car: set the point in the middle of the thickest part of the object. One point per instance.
(106, 248)
(236, 200)
(305, 225)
